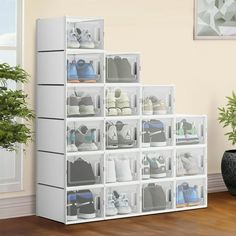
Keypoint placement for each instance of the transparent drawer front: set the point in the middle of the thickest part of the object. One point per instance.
(122, 101)
(122, 200)
(84, 204)
(84, 170)
(190, 161)
(85, 68)
(157, 164)
(190, 192)
(157, 133)
(158, 100)
(122, 68)
(85, 34)
(122, 167)
(122, 134)
(84, 102)
(157, 196)
(190, 130)
(84, 136)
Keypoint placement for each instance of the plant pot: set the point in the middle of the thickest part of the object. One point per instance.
(228, 169)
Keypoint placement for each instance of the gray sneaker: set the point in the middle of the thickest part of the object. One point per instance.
(125, 135)
(147, 199)
(73, 105)
(124, 70)
(111, 135)
(112, 74)
(157, 167)
(85, 139)
(157, 133)
(158, 197)
(86, 107)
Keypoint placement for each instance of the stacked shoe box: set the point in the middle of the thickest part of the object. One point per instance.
(108, 146)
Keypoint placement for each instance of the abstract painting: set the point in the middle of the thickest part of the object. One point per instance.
(215, 19)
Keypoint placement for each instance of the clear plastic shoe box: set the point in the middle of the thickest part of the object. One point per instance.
(122, 68)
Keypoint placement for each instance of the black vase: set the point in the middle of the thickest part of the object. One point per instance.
(228, 169)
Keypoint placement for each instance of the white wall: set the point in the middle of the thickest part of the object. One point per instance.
(161, 30)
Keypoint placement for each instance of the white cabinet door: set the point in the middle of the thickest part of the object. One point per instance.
(10, 171)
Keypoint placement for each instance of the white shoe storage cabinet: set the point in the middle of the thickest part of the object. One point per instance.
(54, 119)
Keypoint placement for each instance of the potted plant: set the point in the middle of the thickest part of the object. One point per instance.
(14, 112)
(227, 116)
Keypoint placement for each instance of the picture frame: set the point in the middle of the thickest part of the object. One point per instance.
(220, 30)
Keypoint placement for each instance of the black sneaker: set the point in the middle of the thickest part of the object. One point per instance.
(71, 206)
(85, 204)
(80, 172)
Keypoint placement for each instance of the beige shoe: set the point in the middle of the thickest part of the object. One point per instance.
(159, 106)
(147, 106)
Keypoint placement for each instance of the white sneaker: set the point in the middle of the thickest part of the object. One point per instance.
(122, 203)
(122, 103)
(111, 104)
(85, 39)
(111, 171)
(123, 172)
(179, 167)
(190, 164)
(111, 136)
(111, 210)
(72, 41)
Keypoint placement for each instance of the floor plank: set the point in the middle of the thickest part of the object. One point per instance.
(218, 219)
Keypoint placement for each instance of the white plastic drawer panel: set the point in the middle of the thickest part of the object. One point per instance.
(122, 167)
(51, 169)
(158, 100)
(78, 32)
(124, 198)
(51, 34)
(157, 164)
(157, 132)
(122, 101)
(84, 205)
(191, 130)
(122, 68)
(85, 101)
(85, 68)
(157, 196)
(50, 100)
(51, 135)
(122, 134)
(191, 192)
(191, 161)
(51, 68)
(85, 170)
(50, 203)
(85, 136)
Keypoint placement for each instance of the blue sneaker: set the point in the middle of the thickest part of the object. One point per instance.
(191, 194)
(86, 72)
(72, 76)
(180, 201)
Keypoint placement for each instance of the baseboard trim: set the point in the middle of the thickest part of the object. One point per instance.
(25, 206)
(17, 207)
(216, 183)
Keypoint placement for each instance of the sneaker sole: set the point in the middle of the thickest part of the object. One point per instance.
(87, 216)
(148, 113)
(161, 112)
(146, 145)
(72, 218)
(158, 175)
(158, 144)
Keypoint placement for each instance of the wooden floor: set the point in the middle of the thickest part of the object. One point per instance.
(218, 219)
